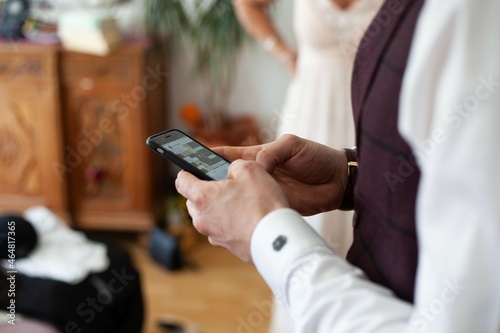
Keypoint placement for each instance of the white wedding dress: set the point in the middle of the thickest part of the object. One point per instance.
(318, 101)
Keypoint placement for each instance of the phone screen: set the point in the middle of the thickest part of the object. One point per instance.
(197, 155)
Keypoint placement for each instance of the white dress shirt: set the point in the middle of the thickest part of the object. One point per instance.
(450, 116)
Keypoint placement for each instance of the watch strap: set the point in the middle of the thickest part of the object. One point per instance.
(352, 173)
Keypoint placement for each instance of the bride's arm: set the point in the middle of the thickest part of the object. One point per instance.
(254, 17)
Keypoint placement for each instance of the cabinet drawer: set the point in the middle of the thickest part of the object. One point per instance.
(23, 67)
(84, 70)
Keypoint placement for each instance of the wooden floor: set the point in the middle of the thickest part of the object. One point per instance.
(224, 295)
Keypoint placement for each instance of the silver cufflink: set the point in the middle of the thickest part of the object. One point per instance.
(279, 243)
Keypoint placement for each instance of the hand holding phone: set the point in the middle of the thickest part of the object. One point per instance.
(189, 154)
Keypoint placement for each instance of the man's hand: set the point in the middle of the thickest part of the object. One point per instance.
(312, 175)
(228, 211)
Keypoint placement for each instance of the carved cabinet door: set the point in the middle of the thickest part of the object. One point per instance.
(30, 131)
(106, 124)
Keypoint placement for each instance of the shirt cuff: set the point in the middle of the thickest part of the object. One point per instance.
(279, 241)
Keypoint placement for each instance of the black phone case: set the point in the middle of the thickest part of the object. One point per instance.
(156, 147)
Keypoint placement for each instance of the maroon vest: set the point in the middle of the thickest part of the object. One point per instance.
(385, 241)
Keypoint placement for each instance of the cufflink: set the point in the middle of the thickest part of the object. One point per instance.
(279, 243)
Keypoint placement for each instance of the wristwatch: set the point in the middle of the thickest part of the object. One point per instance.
(352, 173)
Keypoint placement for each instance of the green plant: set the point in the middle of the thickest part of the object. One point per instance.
(165, 19)
(216, 36)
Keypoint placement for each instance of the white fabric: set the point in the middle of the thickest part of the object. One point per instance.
(61, 254)
(318, 101)
(449, 115)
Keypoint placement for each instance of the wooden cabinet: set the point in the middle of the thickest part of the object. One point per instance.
(72, 134)
(30, 130)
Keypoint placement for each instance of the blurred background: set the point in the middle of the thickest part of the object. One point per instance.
(93, 236)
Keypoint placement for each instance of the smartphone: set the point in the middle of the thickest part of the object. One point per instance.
(189, 154)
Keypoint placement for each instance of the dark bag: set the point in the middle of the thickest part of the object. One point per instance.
(165, 249)
(110, 301)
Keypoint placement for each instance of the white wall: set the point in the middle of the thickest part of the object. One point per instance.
(260, 81)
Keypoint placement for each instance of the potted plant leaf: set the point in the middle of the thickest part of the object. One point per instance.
(216, 36)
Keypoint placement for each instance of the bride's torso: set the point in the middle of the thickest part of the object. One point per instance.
(325, 32)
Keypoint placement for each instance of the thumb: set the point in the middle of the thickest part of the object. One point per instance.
(189, 186)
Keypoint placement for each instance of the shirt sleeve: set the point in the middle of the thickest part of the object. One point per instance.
(321, 290)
